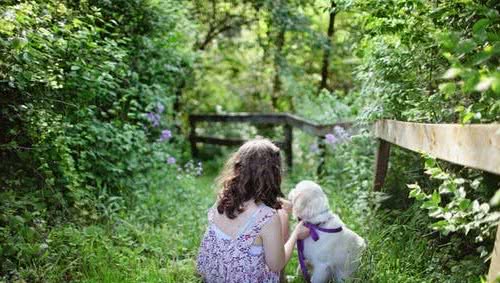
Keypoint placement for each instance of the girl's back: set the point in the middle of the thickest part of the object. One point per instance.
(233, 256)
(230, 250)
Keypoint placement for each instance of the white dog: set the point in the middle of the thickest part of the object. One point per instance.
(333, 254)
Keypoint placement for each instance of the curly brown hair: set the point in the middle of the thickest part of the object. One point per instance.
(252, 172)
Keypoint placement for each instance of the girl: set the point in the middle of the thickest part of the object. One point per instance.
(244, 241)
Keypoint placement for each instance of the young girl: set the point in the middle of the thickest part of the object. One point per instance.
(244, 241)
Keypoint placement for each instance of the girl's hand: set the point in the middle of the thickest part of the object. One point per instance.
(286, 205)
(301, 231)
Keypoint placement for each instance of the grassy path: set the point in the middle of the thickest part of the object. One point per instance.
(397, 251)
(136, 252)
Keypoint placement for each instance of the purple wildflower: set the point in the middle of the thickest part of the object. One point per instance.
(160, 108)
(341, 132)
(165, 135)
(330, 139)
(154, 119)
(171, 160)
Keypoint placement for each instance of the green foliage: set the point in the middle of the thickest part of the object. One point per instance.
(90, 87)
(87, 89)
(141, 242)
(431, 61)
(449, 202)
(325, 107)
(401, 248)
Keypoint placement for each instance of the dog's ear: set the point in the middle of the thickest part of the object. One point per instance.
(303, 206)
(308, 203)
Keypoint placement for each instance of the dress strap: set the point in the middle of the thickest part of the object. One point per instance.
(264, 215)
(249, 222)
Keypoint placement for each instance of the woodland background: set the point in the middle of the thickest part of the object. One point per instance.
(97, 180)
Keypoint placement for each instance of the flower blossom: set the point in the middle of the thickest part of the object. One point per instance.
(154, 119)
(341, 132)
(160, 108)
(165, 135)
(330, 139)
(171, 160)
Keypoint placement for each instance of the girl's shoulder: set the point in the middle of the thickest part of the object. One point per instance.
(263, 209)
(265, 214)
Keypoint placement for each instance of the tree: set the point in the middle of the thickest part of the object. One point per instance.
(328, 47)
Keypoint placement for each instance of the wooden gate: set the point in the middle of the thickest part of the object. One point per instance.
(286, 120)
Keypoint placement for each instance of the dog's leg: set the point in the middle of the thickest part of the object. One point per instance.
(321, 274)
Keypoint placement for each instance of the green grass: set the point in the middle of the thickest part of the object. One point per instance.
(397, 250)
(165, 253)
(158, 242)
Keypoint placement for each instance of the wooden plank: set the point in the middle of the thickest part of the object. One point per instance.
(271, 118)
(288, 146)
(313, 128)
(494, 271)
(381, 164)
(256, 118)
(219, 141)
(476, 146)
(228, 142)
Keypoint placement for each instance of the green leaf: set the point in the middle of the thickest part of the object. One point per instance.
(436, 198)
(480, 58)
(440, 225)
(460, 108)
(467, 117)
(448, 89)
(19, 43)
(495, 85)
(464, 204)
(465, 46)
(480, 25)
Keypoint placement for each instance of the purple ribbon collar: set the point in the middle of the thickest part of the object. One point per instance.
(313, 232)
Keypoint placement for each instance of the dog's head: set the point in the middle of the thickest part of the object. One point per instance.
(308, 200)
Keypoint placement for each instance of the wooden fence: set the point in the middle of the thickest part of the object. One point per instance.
(476, 146)
(288, 121)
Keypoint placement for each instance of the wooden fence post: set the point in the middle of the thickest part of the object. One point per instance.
(494, 271)
(192, 137)
(381, 164)
(288, 145)
(322, 156)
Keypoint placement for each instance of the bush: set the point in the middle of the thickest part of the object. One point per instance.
(87, 112)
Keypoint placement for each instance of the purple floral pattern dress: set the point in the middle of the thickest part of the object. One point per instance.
(224, 259)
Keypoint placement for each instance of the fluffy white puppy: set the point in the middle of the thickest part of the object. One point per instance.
(334, 254)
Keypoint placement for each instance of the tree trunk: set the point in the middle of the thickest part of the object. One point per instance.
(280, 42)
(327, 50)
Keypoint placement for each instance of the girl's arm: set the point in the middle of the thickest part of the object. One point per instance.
(275, 253)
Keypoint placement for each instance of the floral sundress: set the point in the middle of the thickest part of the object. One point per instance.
(224, 259)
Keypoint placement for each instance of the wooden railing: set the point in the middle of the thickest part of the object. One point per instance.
(476, 146)
(288, 121)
